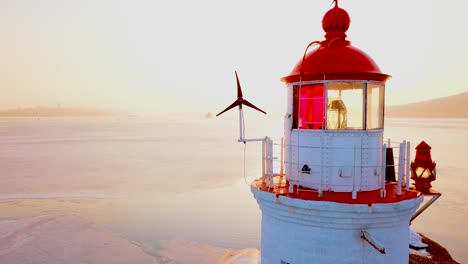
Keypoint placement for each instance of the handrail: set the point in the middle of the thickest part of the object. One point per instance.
(271, 155)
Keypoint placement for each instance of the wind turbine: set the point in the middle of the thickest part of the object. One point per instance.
(239, 102)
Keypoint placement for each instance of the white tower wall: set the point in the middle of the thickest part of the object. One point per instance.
(301, 232)
(341, 161)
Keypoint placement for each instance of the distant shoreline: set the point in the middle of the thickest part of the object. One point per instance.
(444, 107)
(55, 112)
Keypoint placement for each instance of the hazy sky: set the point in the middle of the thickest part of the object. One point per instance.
(150, 55)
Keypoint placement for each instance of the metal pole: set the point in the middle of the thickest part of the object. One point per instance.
(241, 130)
(374, 243)
(401, 166)
(250, 139)
(435, 196)
(267, 156)
(324, 141)
(271, 162)
(383, 192)
(263, 157)
(408, 158)
(290, 175)
(282, 159)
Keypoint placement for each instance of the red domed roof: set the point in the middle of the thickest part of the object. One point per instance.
(336, 59)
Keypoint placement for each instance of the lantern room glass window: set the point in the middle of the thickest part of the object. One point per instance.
(375, 105)
(345, 107)
(309, 106)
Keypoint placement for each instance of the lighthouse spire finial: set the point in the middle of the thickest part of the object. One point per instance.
(336, 3)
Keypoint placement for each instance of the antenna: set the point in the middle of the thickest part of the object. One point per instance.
(239, 102)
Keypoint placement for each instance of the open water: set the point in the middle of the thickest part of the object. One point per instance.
(156, 178)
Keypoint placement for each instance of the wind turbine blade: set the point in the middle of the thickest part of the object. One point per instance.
(236, 103)
(239, 90)
(247, 103)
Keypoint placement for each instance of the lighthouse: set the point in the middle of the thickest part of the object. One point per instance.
(332, 190)
(333, 198)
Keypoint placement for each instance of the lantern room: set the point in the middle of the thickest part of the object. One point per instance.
(335, 114)
(336, 86)
(338, 105)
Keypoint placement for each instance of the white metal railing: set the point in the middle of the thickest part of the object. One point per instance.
(269, 157)
(273, 163)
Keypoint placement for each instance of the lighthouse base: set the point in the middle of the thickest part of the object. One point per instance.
(297, 231)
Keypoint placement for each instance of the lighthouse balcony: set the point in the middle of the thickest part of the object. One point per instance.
(281, 187)
(340, 180)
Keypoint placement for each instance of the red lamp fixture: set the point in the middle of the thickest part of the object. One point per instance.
(423, 170)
